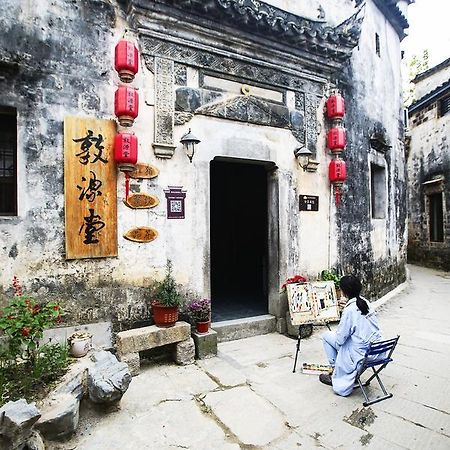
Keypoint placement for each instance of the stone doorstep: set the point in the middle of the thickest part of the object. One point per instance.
(146, 338)
(229, 330)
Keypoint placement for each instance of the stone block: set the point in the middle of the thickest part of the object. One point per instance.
(132, 361)
(184, 352)
(108, 379)
(187, 99)
(296, 120)
(16, 420)
(146, 338)
(205, 344)
(60, 416)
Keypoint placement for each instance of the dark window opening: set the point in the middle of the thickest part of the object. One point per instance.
(377, 44)
(444, 106)
(8, 162)
(378, 191)
(436, 217)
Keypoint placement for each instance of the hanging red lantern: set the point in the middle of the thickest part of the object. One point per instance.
(337, 173)
(126, 151)
(126, 105)
(335, 106)
(126, 60)
(337, 139)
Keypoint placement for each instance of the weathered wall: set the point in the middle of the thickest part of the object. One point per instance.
(426, 84)
(374, 248)
(59, 61)
(429, 157)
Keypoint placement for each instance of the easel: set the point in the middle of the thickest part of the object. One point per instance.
(300, 338)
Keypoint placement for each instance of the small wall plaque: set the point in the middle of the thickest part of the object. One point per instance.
(142, 201)
(309, 202)
(175, 202)
(141, 234)
(144, 171)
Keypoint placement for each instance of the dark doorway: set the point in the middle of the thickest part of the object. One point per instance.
(238, 239)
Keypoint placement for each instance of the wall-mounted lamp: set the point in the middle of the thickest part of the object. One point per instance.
(303, 156)
(189, 142)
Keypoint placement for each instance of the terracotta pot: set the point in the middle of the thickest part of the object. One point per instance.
(164, 316)
(202, 327)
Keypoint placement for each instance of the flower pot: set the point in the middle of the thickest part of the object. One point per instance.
(202, 327)
(164, 316)
(80, 346)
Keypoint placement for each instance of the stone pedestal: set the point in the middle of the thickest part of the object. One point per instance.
(205, 344)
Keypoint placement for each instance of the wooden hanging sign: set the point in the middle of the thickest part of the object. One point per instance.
(141, 234)
(90, 189)
(143, 170)
(141, 201)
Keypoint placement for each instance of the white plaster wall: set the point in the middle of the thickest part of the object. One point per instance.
(380, 96)
(431, 82)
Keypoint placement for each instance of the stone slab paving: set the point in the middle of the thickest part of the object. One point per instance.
(248, 398)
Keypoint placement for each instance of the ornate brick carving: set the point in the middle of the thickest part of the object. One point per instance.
(152, 46)
(163, 145)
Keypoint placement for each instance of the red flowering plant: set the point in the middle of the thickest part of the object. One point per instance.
(294, 279)
(24, 320)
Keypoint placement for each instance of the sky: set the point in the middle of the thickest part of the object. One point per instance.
(429, 28)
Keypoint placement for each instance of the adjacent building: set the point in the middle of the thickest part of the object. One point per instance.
(250, 80)
(429, 169)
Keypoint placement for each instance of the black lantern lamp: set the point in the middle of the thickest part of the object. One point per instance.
(303, 156)
(189, 142)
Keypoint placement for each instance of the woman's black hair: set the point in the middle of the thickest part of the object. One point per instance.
(351, 287)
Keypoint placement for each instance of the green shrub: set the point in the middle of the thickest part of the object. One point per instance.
(331, 275)
(26, 368)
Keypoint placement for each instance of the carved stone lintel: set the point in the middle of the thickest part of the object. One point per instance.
(311, 105)
(164, 108)
(163, 150)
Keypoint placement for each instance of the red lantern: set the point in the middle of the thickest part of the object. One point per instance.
(126, 60)
(337, 173)
(335, 107)
(125, 151)
(126, 105)
(337, 139)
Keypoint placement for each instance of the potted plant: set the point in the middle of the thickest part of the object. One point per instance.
(331, 275)
(200, 313)
(80, 343)
(165, 300)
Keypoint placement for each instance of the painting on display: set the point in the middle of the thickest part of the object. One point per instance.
(314, 302)
(90, 188)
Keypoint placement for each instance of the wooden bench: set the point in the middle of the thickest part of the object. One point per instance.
(129, 343)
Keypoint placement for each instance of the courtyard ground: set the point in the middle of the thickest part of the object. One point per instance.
(249, 398)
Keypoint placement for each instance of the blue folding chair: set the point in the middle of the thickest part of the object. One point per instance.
(377, 357)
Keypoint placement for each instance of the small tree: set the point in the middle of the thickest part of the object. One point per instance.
(415, 66)
(166, 292)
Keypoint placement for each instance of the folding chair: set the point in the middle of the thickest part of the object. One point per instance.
(377, 357)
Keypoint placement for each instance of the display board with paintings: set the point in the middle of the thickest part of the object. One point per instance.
(314, 302)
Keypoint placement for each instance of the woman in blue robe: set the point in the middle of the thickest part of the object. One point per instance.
(346, 347)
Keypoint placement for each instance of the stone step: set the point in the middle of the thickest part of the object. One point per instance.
(230, 330)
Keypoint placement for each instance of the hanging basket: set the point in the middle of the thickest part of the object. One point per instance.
(164, 316)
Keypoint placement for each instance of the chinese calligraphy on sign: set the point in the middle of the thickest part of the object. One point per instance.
(90, 188)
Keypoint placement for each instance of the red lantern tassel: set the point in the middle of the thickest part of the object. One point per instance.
(127, 186)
